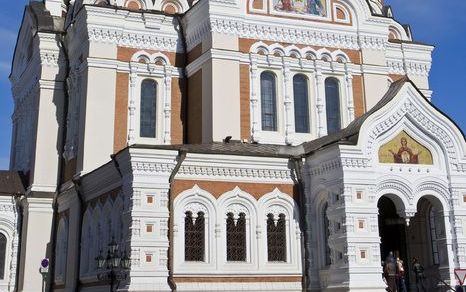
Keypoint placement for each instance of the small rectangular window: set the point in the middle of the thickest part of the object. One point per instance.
(359, 195)
(361, 224)
(150, 200)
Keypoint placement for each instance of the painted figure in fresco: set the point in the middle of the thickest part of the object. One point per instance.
(299, 6)
(315, 7)
(405, 154)
(284, 5)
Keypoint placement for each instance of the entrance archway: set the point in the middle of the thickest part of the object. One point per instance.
(427, 240)
(424, 238)
(392, 229)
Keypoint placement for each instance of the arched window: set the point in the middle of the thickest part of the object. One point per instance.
(85, 245)
(61, 250)
(301, 103)
(236, 238)
(276, 238)
(148, 108)
(2, 255)
(332, 103)
(268, 101)
(194, 230)
(326, 235)
(433, 236)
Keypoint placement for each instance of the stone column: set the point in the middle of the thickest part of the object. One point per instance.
(254, 101)
(349, 95)
(320, 101)
(288, 103)
(167, 106)
(132, 106)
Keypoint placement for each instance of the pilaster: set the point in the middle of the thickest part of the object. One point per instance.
(35, 239)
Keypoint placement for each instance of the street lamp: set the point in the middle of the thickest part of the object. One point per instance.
(114, 267)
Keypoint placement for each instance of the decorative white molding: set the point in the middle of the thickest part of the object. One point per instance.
(156, 67)
(234, 172)
(256, 211)
(132, 39)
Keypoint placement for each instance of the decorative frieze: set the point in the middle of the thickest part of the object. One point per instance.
(140, 39)
(232, 172)
(325, 167)
(151, 167)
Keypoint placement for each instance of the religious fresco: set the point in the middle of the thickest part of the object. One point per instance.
(305, 7)
(405, 150)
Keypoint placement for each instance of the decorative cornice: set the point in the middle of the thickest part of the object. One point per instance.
(234, 172)
(140, 167)
(140, 40)
(325, 167)
(349, 162)
(285, 34)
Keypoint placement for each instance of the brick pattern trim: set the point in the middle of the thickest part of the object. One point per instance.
(125, 54)
(246, 44)
(245, 113)
(217, 188)
(358, 96)
(177, 116)
(121, 112)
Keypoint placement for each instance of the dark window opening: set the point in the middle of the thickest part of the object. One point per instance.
(194, 240)
(148, 114)
(276, 238)
(236, 238)
(332, 103)
(268, 102)
(2, 255)
(301, 104)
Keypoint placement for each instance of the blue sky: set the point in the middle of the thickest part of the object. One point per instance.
(443, 25)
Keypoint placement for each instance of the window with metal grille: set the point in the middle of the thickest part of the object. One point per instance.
(332, 104)
(301, 103)
(276, 238)
(2, 255)
(194, 237)
(148, 108)
(236, 238)
(268, 101)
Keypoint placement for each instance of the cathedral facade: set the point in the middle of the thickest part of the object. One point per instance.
(227, 145)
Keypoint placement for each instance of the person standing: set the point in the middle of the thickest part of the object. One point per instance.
(400, 276)
(419, 273)
(390, 272)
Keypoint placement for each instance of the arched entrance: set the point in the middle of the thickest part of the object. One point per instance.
(424, 238)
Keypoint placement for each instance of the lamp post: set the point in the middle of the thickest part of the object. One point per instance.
(114, 267)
